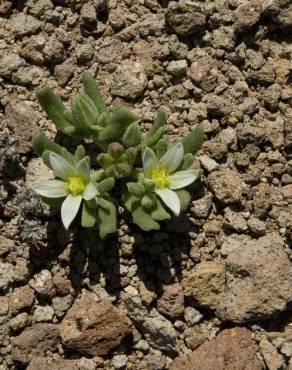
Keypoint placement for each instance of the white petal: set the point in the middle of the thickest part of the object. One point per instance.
(149, 161)
(170, 198)
(61, 167)
(172, 158)
(84, 169)
(89, 192)
(69, 209)
(51, 189)
(182, 179)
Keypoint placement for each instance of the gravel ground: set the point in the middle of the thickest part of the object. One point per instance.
(211, 290)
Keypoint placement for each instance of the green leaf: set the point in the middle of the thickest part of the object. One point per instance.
(159, 213)
(107, 218)
(84, 112)
(158, 123)
(79, 153)
(153, 139)
(54, 108)
(149, 200)
(161, 148)
(186, 162)
(89, 215)
(117, 123)
(132, 135)
(105, 185)
(184, 198)
(41, 142)
(193, 142)
(144, 220)
(91, 89)
(135, 188)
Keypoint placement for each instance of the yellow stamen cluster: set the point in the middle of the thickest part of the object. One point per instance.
(160, 176)
(76, 185)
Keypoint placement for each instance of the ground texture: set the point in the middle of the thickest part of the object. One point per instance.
(211, 290)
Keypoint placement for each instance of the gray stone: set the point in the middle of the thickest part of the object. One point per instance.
(22, 119)
(272, 96)
(208, 163)
(129, 80)
(201, 208)
(234, 220)
(84, 53)
(43, 314)
(204, 74)
(54, 51)
(226, 185)
(247, 15)
(42, 283)
(192, 316)
(256, 226)
(63, 73)
(23, 25)
(218, 105)
(39, 7)
(119, 361)
(48, 363)
(177, 67)
(20, 299)
(233, 242)
(157, 330)
(62, 304)
(19, 322)
(10, 63)
(259, 281)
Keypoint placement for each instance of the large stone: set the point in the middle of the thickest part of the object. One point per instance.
(232, 349)
(23, 24)
(247, 15)
(129, 80)
(258, 281)
(171, 303)
(35, 341)
(10, 63)
(226, 185)
(21, 298)
(204, 74)
(46, 363)
(93, 328)
(273, 359)
(157, 330)
(22, 119)
(185, 19)
(205, 283)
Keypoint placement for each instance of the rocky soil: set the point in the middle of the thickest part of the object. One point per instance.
(211, 290)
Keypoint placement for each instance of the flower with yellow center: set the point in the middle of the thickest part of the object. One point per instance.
(74, 185)
(162, 173)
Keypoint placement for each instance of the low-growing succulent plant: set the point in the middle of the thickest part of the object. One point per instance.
(150, 173)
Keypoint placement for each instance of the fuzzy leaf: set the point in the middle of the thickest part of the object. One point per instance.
(148, 201)
(193, 142)
(91, 89)
(107, 218)
(115, 150)
(137, 189)
(144, 220)
(161, 148)
(186, 162)
(184, 198)
(79, 153)
(88, 217)
(84, 112)
(153, 139)
(41, 142)
(159, 213)
(157, 124)
(105, 185)
(117, 123)
(132, 135)
(54, 107)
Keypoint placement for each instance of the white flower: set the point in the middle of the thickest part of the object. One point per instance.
(74, 185)
(162, 173)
